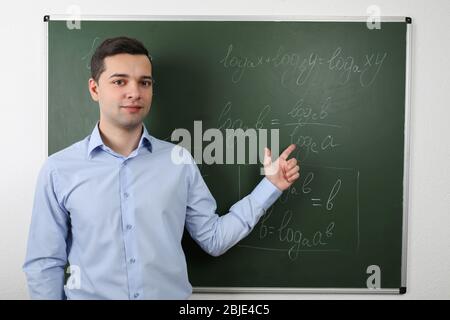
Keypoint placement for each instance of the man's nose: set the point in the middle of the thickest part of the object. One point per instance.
(133, 90)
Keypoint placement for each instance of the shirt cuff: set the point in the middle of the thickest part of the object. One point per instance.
(265, 193)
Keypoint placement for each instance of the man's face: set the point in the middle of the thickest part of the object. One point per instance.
(124, 90)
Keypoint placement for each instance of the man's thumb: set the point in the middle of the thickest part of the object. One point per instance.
(267, 156)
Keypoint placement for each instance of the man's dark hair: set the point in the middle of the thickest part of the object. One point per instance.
(111, 47)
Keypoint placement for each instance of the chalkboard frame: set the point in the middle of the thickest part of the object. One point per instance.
(270, 18)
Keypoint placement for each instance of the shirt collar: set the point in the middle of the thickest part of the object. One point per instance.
(146, 140)
(96, 141)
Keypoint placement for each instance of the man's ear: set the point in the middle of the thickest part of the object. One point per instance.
(93, 89)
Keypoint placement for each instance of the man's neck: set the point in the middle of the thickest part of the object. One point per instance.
(122, 141)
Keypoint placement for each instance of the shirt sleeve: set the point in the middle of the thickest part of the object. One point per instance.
(46, 255)
(216, 234)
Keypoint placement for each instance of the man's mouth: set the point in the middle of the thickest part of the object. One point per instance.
(132, 108)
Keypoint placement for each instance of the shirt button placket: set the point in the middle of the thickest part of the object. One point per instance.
(127, 218)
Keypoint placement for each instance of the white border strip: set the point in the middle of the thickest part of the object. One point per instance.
(407, 157)
(293, 290)
(63, 17)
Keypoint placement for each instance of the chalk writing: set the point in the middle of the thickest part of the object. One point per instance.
(298, 69)
(295, 238)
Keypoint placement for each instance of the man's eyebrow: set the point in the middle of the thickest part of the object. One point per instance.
(124, 75)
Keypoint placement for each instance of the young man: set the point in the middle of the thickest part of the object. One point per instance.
(114, 205)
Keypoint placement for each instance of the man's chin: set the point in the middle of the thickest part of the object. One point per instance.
(130, 124)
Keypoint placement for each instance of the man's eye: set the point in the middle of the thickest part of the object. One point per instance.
(147, 83)
(118, 82)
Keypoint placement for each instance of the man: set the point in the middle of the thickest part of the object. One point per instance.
(114, 205)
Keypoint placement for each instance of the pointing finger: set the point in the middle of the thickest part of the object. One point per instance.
(287, 151)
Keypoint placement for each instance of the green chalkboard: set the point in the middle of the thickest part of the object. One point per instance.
(334, 88)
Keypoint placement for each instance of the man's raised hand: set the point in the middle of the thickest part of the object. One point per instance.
(281, 172)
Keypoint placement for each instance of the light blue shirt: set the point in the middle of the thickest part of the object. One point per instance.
(118, 221)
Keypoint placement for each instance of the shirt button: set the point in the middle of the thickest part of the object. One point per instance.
(132, 260)
(136, 295)
(126, 195)
(129, 226)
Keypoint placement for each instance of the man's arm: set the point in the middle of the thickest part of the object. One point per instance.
(46, 254)
(218, 234)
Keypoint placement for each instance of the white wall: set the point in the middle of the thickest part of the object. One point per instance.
(22, 127)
